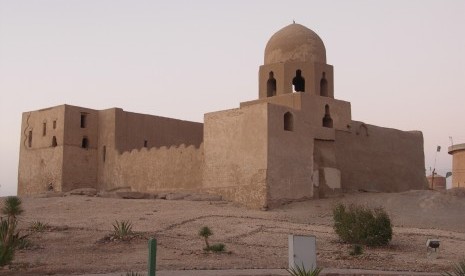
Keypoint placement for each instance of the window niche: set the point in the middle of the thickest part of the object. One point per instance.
(324, 86)
(104, 153)
(271, 85)
(54, 141)
(54, 124)
(327, 120)
(146, 143)
(44, 128)
(288, 121)
(83, 120)
(298, 82)
(85, 143)
(29, 138)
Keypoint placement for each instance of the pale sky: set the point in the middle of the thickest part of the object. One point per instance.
(400, 63)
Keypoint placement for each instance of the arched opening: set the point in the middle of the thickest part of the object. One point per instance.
(288, 121)
(271, 85)
(29, 138)
(85, 143)
(327, 121)
(44, 129)
(146, 143)
(54, 141)
(104, 153)
(324, 86)
(298, 82)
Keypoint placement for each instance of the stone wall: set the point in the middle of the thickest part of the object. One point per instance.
(235, 144)
(290, 157)
(40, 162)
(380, 159)
(136, 131)
(154, 170)
(80, 162)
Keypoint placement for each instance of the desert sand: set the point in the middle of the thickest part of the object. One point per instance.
(75, 242)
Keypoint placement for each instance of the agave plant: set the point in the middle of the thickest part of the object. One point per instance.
(459, 270)
(122, 229)
(302, 271)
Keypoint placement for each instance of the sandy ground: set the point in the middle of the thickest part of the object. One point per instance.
(253, 238)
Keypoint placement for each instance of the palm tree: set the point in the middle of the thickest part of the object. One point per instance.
(205, 232)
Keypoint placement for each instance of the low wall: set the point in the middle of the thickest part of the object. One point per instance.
(380, 159)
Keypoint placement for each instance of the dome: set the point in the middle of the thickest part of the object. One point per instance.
(295, 43)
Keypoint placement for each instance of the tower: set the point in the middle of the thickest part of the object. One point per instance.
(295, 61)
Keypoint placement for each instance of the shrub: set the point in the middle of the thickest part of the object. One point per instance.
(122, 229)
(301, 271)
(357, 249)
(217, 247)
(38, 226)
(459, 269)
(360, 225)
(133, 274)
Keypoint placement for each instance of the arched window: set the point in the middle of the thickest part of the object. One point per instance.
(85, 143)
(54, 141)
(271, 85)
(327, 121)
(288, 121)
(324, 86)
(298, 82)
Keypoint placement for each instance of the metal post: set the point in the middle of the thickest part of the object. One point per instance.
(152, 256)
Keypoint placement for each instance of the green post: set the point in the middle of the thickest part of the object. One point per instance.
(152, 256)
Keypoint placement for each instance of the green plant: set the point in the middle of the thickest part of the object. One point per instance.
(297, 270)
(24, 243)
(130, 273)
(459, 269)
(205, 232)
(360, 225)
(9, 237)
(38, 226)
(217, 247)
(357, 249)
(122, 229)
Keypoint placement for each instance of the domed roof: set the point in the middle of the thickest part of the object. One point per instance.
(295, 43)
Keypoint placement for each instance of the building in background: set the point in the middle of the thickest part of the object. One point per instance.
(458, 165)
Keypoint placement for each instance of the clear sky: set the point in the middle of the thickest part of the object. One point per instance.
(400, 63)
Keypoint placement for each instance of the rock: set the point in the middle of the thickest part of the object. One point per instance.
(161, 196)
(203, 197)
(175, 196)
(51, 194)
(133, 195)
(83, 191)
